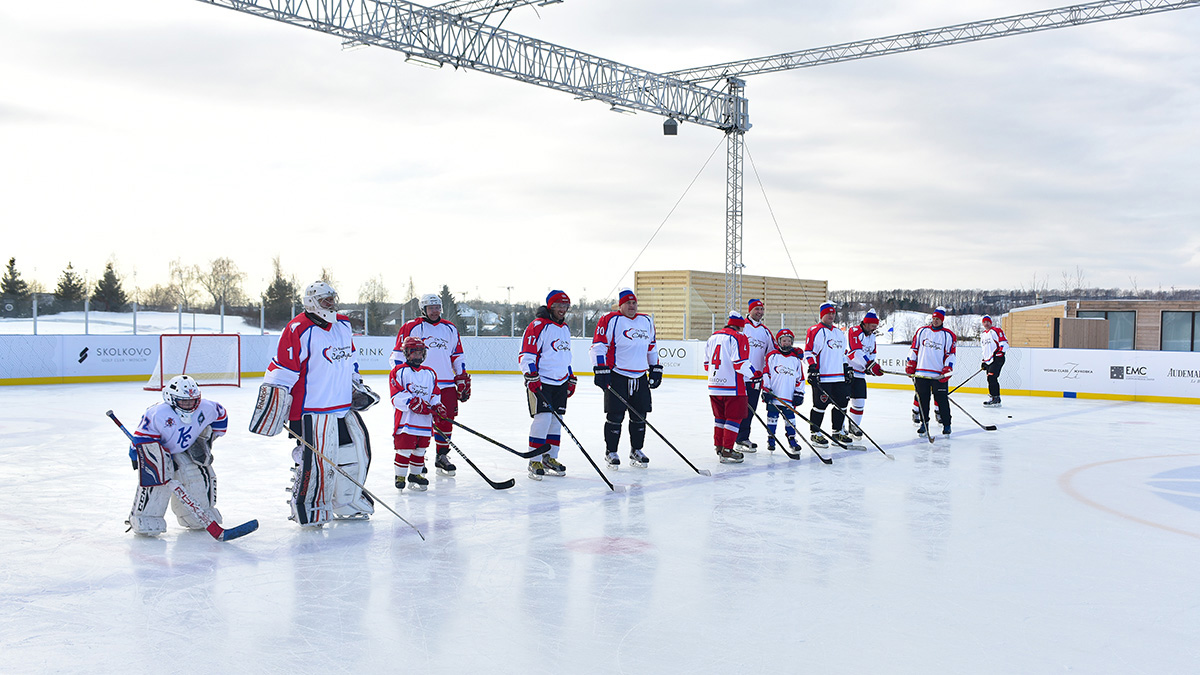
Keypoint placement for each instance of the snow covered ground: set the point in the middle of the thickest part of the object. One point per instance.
(1065, 541)
(121, 323)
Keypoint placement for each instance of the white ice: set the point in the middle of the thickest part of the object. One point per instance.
(1066, 541)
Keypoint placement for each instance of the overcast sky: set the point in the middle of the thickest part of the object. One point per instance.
(150, 130)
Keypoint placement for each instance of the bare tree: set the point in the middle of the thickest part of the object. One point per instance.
(223, 281)
(184, 284)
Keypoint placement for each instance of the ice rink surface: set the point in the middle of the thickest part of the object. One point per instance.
(1066, 541)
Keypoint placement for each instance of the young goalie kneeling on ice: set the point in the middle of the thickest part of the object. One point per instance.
(172, 449)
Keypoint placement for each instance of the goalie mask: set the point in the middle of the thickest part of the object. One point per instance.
(183, 395)
(414, 350)
(321, 300)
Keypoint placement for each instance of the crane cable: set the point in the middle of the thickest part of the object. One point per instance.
(769, 209)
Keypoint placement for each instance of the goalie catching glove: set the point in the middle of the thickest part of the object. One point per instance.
(271, 410)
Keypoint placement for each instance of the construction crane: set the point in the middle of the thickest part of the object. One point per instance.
(456, 33)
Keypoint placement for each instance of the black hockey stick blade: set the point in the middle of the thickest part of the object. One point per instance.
(238, 531)
(502, 485)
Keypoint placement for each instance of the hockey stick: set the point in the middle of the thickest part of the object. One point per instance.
(219, 533)
(350, 478)
(536, 452)
(503, 485)
(924, 417)
(643, 420)
(856, 424)
(799, 435)
(579, 445)
(964, 382)
(985, 427)
(782, 446)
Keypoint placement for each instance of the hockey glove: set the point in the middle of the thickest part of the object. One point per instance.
(572, 382)
(768, 396)
(797, 399)
(201, 451)
(362, 397)
(600, 376)
(875, 369)
(814, 378)
(533, 381)
(848, 372)
(983, 365)
(462, 382)
(755, 381)
(440, 412)
(656, 373)
(910, 367)
(419, 406)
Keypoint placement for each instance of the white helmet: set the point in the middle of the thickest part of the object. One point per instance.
(429, 299)
(183, 395)
(320, 299)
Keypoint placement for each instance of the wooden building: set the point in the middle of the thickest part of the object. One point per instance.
(687, 304)
(1106, 324)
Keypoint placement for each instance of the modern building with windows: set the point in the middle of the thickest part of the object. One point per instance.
(1152, 325)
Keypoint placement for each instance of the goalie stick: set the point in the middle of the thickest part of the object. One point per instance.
(536, 452)
(350, 478)
(702, 472)
(614, 488)
(503, 485)
(219, 533)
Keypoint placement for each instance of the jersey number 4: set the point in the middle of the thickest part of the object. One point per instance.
(716, 358)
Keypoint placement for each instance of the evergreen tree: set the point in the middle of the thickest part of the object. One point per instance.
(12, 285)
(450, 308)
(281, 298)
(71, 289)
(109, 296)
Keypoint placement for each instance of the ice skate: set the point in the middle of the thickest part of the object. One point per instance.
(611, 458)
(921, 430)
(916, 417)
(443, 465)
(553, 466)
(638, 458)
(842, 438)
(992, 402)
(400, 482)
(418, 482)
(818, 439)
(730, 456)
(770, 445)
(793, 444)
(945, 429)
(536, 470)
(746, 446)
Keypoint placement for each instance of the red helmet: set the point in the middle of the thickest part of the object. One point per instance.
(412, 343)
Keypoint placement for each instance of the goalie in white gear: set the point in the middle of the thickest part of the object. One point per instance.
(172, 448)
(313, 383)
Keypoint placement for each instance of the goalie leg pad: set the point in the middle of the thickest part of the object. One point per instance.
(199, 481)
(149, 506)
(353, 455)
(271, 410)
(312, 481)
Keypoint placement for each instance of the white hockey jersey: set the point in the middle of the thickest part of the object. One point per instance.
(626, 345)
(933, 350)
(317, 364)
(825, 351)
(994, 344)
(760, 341)
(406, 383)
(546, 349)
(443, 348)
(784, 375)
(161, 424)
(727, 360)
(862, 351)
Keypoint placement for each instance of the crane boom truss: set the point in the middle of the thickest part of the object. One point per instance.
(439, 37)
(974, 31)
(474, 8)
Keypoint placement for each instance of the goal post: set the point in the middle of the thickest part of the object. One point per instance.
(212, 359)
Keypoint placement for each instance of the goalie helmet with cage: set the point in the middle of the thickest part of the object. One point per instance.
(320, 299)
(413, 344)
(183, 395)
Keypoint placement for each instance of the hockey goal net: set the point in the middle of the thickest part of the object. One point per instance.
(210, 358)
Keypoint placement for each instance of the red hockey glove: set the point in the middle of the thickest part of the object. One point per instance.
(419, 406)
(440, 412)
(533, 381)
(462, 382)
(910, 367)
(874, 369)
(572, 381)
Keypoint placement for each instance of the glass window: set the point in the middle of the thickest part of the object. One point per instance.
(1120, 327)
(1178, 331)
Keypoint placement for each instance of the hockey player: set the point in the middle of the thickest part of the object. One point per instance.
(173, 448)
(862, 363)
(726, 359)
(418, 403)
(545, 360)
(828, 372)
(445, 356)
(930, 362)
(626, 362)
(783, 378)
(760, 340)
(313, 384)
(995, 345)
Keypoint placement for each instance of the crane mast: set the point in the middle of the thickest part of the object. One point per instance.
(448, 34)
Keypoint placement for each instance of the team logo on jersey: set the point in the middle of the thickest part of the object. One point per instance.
(834, 343)
(170, 421)
(335, 354)
(935, 345)
(185, 437)
(784, 369)
(560, 345)
(418, 389)
(756, 343)
(436, 343)
(636, 334)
